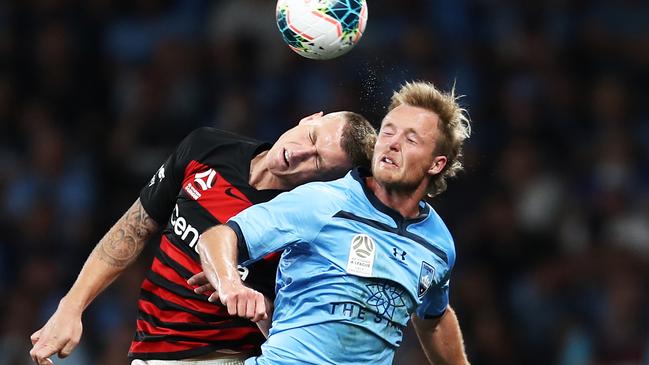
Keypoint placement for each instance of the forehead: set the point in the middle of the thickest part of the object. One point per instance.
(329, 132)
(330, 125)
(420, 120)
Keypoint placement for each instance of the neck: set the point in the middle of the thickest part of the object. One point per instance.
(260, 176)
(404, 202)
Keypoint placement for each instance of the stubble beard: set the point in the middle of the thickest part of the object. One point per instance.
(395, 182)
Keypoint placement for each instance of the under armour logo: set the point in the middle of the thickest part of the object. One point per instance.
(396, 253)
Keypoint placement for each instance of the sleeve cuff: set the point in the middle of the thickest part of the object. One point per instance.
(242, 247)
(430, 316)
(158, 218)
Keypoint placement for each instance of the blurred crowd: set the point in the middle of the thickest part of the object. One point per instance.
(550, 219)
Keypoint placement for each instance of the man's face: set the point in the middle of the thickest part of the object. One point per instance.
(310, 151)
(403, 155)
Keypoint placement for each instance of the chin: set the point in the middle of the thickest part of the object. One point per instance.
(387, 178)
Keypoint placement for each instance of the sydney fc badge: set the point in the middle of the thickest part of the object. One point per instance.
(426, 276)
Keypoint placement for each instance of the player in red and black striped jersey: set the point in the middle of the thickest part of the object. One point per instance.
(211, 176)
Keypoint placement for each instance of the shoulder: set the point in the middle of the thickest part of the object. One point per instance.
(331, 187)
(442, 234)
(323, 196)
(207, 141)
(328, 190)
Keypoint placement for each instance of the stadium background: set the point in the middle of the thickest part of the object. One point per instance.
(551, 219)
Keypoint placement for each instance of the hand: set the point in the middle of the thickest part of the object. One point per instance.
(241, 301)
(204, 285)
(265, 324)
(60, 335)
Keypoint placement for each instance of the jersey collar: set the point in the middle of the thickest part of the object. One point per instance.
(359, 174)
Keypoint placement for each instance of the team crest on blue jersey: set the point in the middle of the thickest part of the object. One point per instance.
(426, 276)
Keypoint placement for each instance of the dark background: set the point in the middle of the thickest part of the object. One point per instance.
(551, 218)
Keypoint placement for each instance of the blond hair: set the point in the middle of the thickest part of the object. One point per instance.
(454, 125)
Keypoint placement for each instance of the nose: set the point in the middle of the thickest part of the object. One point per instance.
(394, 144)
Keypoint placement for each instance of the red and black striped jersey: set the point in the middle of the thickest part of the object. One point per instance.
(203, 183)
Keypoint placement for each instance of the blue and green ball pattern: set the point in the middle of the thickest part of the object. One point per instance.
(347, 12)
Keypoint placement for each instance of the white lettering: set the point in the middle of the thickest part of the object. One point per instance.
(180, 225)
(160, 174)
(183, 229)
(174, 215)
(194, 232)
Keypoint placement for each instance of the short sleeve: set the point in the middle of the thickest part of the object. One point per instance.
(159, 195)
(292, 217)
(434, 302)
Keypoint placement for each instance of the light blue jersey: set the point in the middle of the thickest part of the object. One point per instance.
(352, 273)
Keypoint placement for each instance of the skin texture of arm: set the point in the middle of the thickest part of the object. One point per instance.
(117, 250)
(441, 339)
(204, 286)
(218, 251)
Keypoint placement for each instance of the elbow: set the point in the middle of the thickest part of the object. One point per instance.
(204, 241)
(220, 236)
(200, 247)
(206, 248)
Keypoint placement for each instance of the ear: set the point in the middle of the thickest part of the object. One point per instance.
(438, 165)
(311, 117)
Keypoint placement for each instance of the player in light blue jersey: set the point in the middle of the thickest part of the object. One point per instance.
(362, 254)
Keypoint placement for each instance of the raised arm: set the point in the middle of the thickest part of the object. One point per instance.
(218, 251)
(117, 250)
(441, 339)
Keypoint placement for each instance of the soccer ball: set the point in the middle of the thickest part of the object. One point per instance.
(321, 29)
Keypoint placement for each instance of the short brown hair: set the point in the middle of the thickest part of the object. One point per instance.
(454, 125)
(358, 139)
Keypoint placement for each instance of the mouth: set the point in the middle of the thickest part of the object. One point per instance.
(286, 158)
(388, 161)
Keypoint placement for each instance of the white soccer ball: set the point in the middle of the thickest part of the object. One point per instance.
(321, 29)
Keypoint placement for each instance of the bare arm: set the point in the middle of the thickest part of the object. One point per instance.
(118, 249)
(441, 339)
(218, 251)
(202, 285)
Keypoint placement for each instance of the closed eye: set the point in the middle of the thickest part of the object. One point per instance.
(312, 138)
(413, 138)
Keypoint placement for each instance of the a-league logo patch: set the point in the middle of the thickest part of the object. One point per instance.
(426, 276)
(203, 180)
(361, 255)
